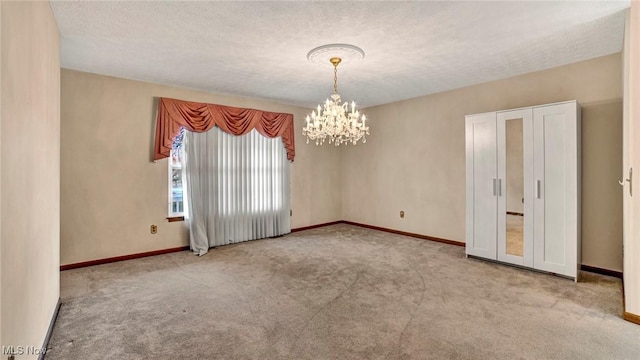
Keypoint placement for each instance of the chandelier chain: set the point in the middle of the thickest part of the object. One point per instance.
(335, 78)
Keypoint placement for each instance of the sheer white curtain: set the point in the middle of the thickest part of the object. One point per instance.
(237, 188)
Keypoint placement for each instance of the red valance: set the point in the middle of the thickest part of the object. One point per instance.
(200, 117)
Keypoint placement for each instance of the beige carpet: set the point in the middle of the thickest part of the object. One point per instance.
(338, 292)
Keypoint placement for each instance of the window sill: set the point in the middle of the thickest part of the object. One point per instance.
(175, 218)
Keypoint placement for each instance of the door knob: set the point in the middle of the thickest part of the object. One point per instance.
(621, 182)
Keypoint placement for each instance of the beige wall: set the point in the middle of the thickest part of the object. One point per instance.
(112, 192)
(601, 194)
(29, 172)
(631, 152)
(414, 159)
(1, 100)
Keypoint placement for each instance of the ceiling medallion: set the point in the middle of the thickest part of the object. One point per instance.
(322, 54)
(333, 120)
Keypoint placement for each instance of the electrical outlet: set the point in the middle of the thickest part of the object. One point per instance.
(154, 229)
(402, 214)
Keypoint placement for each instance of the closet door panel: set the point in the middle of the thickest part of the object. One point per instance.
(555, 187)
(481, 163)
(515, 198)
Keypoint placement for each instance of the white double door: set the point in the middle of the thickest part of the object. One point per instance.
(522, 187)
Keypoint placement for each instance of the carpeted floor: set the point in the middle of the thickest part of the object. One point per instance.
(338, 292)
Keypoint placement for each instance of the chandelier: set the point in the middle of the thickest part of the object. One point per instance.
(336, 121)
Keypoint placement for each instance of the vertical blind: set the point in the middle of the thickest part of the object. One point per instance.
(237, 188)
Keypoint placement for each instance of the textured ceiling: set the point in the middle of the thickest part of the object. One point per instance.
(258, 49)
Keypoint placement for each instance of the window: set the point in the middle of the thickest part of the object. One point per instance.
(176, 183)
